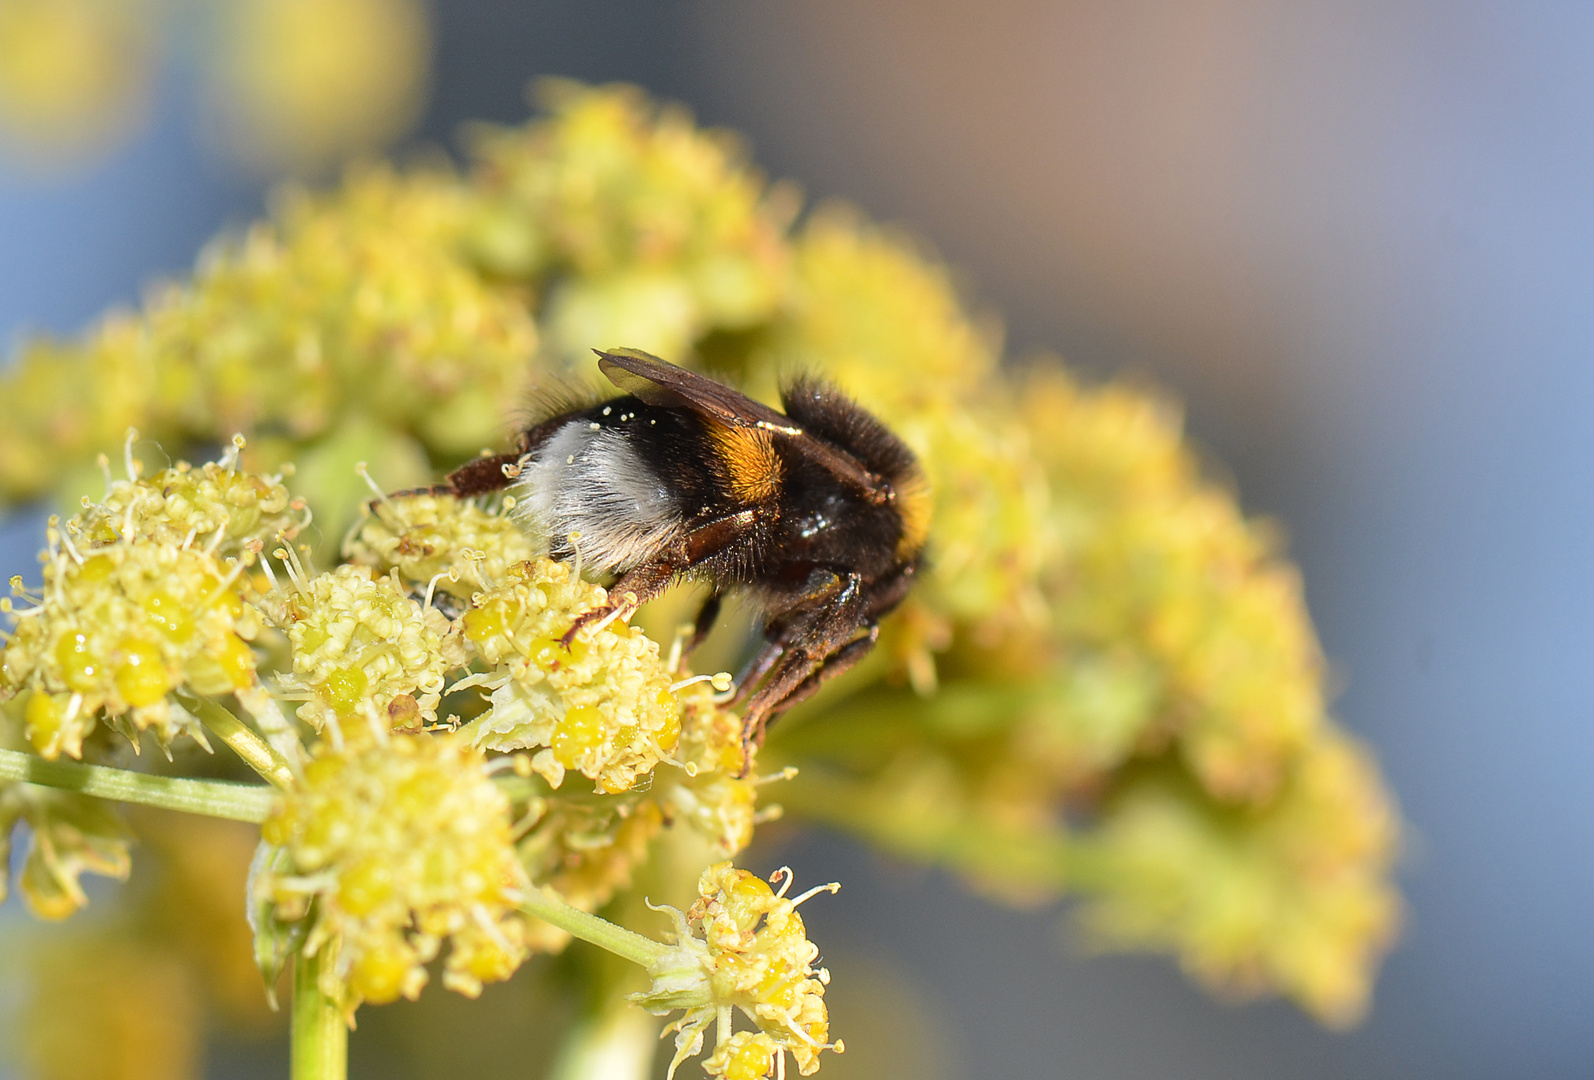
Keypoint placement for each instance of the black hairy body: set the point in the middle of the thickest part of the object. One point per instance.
(817, 514)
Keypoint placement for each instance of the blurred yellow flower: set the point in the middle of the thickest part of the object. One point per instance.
(298, 85)
(74, 74)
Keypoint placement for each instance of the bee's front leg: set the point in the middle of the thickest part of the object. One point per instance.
(636, 587)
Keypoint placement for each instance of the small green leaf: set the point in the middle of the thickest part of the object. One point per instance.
(277, 941)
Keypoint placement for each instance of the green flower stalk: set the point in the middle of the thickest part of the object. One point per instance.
(1106, 685)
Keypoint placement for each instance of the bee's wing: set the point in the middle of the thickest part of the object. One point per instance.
(660, 383)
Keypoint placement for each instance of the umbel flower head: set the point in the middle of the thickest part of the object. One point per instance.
(588, 850)
(439, 541)
(363, 650)
(742, 947)
(601, 705)
(144, 594)
(393, 845)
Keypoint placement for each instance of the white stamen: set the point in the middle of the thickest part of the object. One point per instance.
(127, 455)
(720, 680)
(833, 888)
(603, 623)
(575, 545)
(231, 457)
(365, 474)
(271, 575)
(682, 632)
(378, 728)
(451, 575)
(226, 583)
(490, 928)
(71, 548)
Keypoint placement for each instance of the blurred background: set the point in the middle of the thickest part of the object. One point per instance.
(1356, 238)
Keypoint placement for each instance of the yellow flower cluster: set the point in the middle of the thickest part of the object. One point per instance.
(1176, 645)
(217, 504)
(588, 852)
(301, 84)
(437, 540)
(362, 302)
(289, 85)
(138, 601)
(177, 940)
(658, 232)
(545, 698)
(395, 845)
(69, 836)
(601, 706)
(74, 74)
(707, 789)
(1296, 898)
(362, 651)
(1153, 559)
(742, 946)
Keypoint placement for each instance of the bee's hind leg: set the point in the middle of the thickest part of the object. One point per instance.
(764, 708)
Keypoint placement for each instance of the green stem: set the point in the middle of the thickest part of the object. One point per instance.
(255, 751)
(624, 943)
(320, 1035)
(212, 798)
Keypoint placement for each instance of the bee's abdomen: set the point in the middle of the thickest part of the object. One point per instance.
(627, 476)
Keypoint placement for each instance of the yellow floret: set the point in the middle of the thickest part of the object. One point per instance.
(402, 843)
(661, 232)
(107, 640)
(601, 707)
(438, 538)
(742, 946)
(359, 646)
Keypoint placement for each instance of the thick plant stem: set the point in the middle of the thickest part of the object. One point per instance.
(320, 1035)
(212, 798)
(601, 932)
(258, 754)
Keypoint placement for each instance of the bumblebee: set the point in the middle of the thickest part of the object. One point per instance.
(817, 515)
